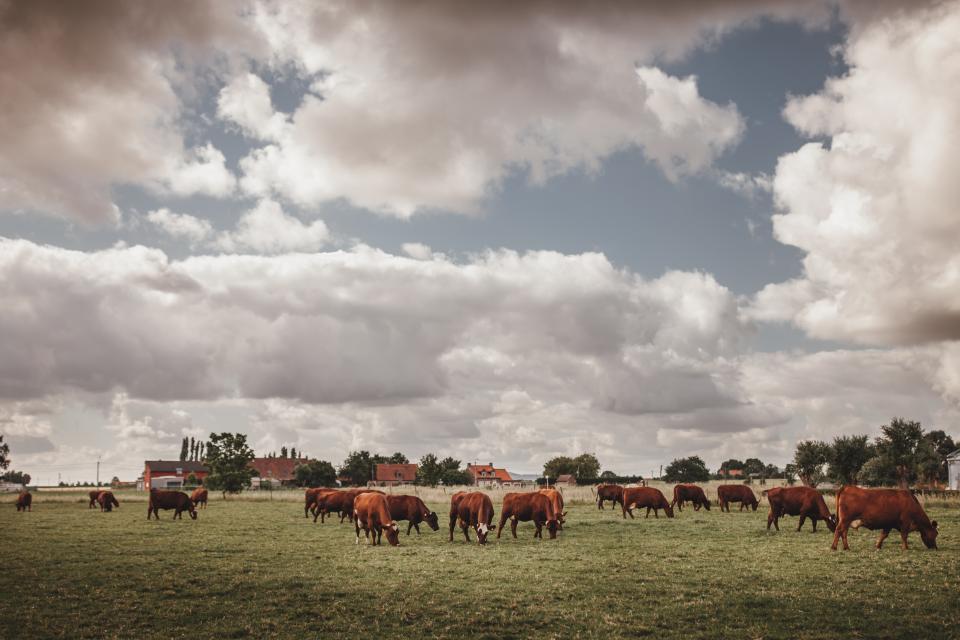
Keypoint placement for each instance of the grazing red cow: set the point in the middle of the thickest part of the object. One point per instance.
(93, 498)
(455, 510)
(474, 510)
(339, 501)
(527, 507)
(727, 493)
(199, 497)
(805, 502)
(556, 498)
(412, 509)
(167, 500)
(640, 497)
(24, 501)
(107, 501)
(883, 509)
(372, 514)
(611, 492)
(689, 493)
(310, 499)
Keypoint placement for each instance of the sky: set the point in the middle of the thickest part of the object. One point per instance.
(497, 232)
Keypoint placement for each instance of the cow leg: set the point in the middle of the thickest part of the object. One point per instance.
(803, 519)
(409, 526)
(883, 536)
(453, 522)
(814, 521)
(539, 532)
(772, 519)
(904, 532)
(513, 527)
(379, 531)
(465, 533)
(503, 519)
(416, 525)
(836, 535)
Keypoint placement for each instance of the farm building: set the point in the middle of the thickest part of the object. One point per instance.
(166, 474)
(567, 479)
(486, 475)
(953, 468)
(389, 475)
(278, 471)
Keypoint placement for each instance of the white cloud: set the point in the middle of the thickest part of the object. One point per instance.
(875, 210)
(246, 102)
(267, 229)
(181, 225)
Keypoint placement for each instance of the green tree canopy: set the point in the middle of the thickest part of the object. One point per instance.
(585, 465)
(900, 445)
(729, 465)
(754, 466)
(4, 454)
(809, 458)
(183, 449)
(848, 454)
(878, 471)
(692, 469)
(283, 451)
(316, 473)
(228, 457)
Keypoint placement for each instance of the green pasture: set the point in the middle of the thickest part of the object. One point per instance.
(258, 569)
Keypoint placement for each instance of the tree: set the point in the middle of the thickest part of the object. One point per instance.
(453, 475)
(16, 477)
(228, 457)
(193, 449)
(316, 473)
(878, 471)
(607, 475)
(848, 454)
(585, 465)
(358, 467)
(429, 471)
(809, 458)
(692, 469)
(754, 466)
(942, 445)
(283, 452)
(183, 449)
(899, 444)
(771, 471)
(729, 465)
(4, 454)
(192, 480)
(114, 481)
(293, 453)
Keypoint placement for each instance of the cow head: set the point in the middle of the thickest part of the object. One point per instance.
(552, 526)
(706, 504)
(393, 534)
(929, 535)
(757, 504)
(193, 512)
(482, 530)
(431, 519)
(832, 523)
(669, 511)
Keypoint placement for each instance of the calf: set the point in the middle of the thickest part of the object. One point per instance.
(556, 498)
(883, 509)
(412, 509)
(93, 498)
(24, 501)
(634, 497)
(727, 493)
(199, 497)
(167, 500)
(692, 493)
(107, 501)
(611, 492)
(473, 510)
(805, 502)
(372, 514)
(527, 507)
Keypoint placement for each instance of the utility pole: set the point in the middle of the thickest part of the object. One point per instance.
(98, 471)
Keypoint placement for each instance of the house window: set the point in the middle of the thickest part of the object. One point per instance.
(179, 471)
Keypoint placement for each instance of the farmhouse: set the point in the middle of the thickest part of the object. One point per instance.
(390, 475)
(953, 467)
(486, 475)
(567, 479)
(167, 474)
(277, 471)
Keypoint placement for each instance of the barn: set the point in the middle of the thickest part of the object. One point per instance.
(953, 468)
(389, 475)
(171, 474)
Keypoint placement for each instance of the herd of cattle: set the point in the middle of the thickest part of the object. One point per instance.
(377, 513)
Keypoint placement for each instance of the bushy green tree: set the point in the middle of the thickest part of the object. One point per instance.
(228, 457)
(809, 458)
(283, 452)
(753, 466)
(585, 465)
(316, 473)
(4, 454)
(183, 449)
(848, 454)
(17, 477)
(900, 444)
(692, 469)
(729, 465)
(878, 471)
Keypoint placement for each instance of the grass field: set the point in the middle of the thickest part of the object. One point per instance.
(258, 569)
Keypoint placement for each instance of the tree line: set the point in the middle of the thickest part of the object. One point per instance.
(192, 450)
(18, 477)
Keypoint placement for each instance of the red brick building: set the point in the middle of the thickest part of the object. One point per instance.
(279, 471)
(164, 474)
(389, 475)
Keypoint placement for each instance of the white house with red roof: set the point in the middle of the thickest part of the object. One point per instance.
(486, 475)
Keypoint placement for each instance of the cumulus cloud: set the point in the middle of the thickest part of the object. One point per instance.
(181, 225)
(267, 229)
(875, 209)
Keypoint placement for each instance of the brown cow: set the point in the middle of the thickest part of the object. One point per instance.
(412, 509)
(455, 510)
(93, 498)
(556, 498)
(692, 493)
(310, 499)
(527, 507)
(473, 510)
(339, 501)
(634, 497)
(372, 514)
(199, 497)
(805, 502)
(166, 500)
(883, 509)
(25, 501)
(727, 493)
(107, 501)
(611, 492)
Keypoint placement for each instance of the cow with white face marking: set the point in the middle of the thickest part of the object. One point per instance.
(372, 514)
(473, 510)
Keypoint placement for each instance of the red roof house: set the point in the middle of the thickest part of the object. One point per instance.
(388, 474)
(163, 474)
(278, 470)
(486, 475)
